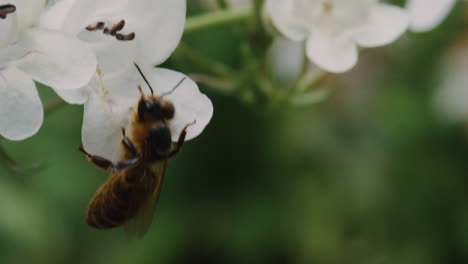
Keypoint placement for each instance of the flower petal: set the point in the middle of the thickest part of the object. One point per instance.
(103, 7)
(70, 16)
(8, 27)
(21, 111)
(189, 103)
(57, 60)
(104, 116)
(386, 24)
(427, 14)
(287, 58)
(113, 56)
(332, 54)
(73, 96)
(100, 132)
(28, 12)
(450, 98)
(281, 15)
(158, 25)
(108, 109)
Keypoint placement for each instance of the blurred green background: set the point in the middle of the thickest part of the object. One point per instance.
(371, 175)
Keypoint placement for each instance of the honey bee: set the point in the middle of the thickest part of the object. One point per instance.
(130, 194)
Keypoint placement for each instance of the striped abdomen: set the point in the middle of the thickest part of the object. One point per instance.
(120, 198)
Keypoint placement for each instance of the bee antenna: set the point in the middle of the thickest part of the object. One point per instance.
(144, 78)
(175, 87)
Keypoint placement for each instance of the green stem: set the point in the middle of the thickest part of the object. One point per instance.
(312, 97)
(224, 16)
(300, 79)
(206, 64)
(223, 86)
(311, 89)
(310, 80)
(53, 104)
(13, 166)
(222, 4)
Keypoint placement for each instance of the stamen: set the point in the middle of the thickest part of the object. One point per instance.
(6, 9)
(113, 31)
(117, 27)
(327, 6)
(95, 27)
(130, 36)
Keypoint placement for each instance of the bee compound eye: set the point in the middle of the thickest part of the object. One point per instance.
(142, 109)
(168, 110)
(155, 109)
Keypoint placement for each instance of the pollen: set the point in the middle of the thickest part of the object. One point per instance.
(327, 6)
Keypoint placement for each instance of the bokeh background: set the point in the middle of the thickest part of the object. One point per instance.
(373, 175)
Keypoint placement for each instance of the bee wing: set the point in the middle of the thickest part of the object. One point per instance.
(139, 225)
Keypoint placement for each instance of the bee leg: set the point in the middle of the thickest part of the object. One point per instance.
(105, 164)
(98, 161)
(121, 165)
(181, 139)
(128, 144)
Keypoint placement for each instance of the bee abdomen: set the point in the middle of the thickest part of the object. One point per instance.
(103, 216)
(114, 204)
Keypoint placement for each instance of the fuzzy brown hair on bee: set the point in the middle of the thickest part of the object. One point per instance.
(130, 194)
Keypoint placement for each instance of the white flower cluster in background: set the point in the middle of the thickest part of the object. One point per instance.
(86, 50)
(427, 14)
(451, 97)
(333, 30)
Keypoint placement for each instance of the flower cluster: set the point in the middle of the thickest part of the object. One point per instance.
(148, 32)
(28, 53)
(86, 50)
(427, 14)
(334, 29)
(452, 91)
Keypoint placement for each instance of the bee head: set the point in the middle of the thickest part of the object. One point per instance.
(155, 108)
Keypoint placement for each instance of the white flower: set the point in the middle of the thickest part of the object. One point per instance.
(114, 99)
(30, 53)
(333, 29)
(451, 97)
(286, 59)
(109, 98)
(157, 24)
(427, 14)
